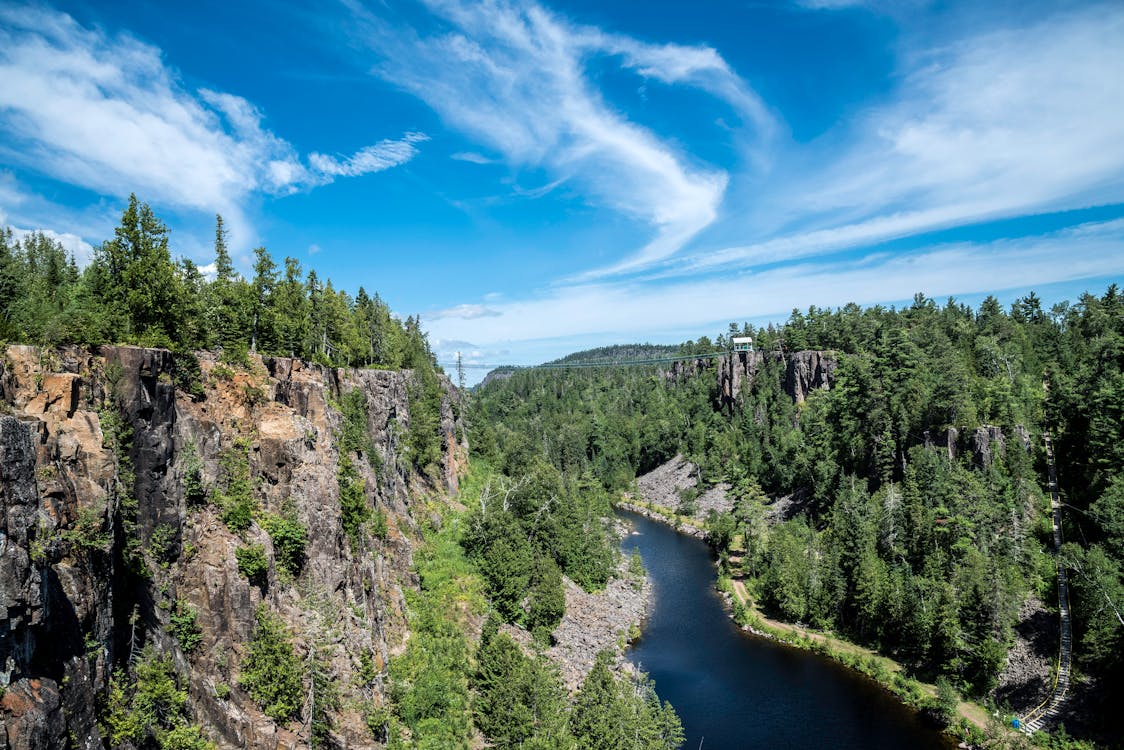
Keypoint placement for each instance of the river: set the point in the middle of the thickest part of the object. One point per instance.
(736, 690)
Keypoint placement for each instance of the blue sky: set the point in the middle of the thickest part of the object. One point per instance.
(535, 178)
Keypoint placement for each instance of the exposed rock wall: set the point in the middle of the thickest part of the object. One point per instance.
(985, 443)
(804, 372)
(72, 608)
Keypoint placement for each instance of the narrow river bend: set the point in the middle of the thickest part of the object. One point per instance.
(734, 690)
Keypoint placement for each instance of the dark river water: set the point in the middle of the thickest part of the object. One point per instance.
(736, 690)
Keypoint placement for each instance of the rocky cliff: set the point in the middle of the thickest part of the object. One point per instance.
(804, 372)
(110, 528)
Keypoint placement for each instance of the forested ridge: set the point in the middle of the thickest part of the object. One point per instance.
(910, 529)
(134, 291)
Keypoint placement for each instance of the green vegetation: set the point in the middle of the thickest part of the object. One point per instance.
(270, 671)
(912, 528)
(162, 543)
(150, 705)
(612, 713)
(519, 700)
(253, 564)
(524, 532)
(441, 687)
(117, 435)
(184, 626)
(355, 441)
(235, 497)
(429, 680)
(133, 291)
(289, 538)
(194, 490)
(87, 532)
(354, 510)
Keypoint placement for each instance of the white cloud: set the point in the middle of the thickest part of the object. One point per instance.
(465, 312)
(383, 155)
(106, 113)
(1006, 123)
(471, 157)
(533, 102)
(314, 249)
(633, 311)
(77, 247)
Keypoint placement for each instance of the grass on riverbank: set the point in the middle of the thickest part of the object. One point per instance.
(972, 723)
(669, 515)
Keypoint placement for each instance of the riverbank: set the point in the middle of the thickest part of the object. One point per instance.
(595, 621)
(663, 514)
(972, 726)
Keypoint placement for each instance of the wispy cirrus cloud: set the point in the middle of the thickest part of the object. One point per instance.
(383, 155)
(1004, 123)
(464, 312)
(636, 311)
(534, 103)
(471, 157)
(106, 113)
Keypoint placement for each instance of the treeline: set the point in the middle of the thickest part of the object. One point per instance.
(134, 291)
(618, 353)
(891, 537)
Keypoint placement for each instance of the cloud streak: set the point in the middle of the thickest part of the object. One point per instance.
(637, 311)
(533, 102)
(1007, 123)
(383, 155)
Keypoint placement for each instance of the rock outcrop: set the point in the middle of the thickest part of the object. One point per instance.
(665, 486)
(97, 450)
(985, 443)
(803, 372)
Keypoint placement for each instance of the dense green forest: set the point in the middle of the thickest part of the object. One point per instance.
(443, 687)
(133, 291)
(892, 540)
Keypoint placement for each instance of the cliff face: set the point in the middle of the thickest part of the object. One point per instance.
(805, 371)
(100, 454)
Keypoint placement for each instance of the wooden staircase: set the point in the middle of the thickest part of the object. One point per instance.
(1047, 711)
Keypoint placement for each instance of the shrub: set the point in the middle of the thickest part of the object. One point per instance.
(270, 672)
(86, 532)
(194, 491)
(150, 702)
(354, 510)
(289, 540)
(162, 543)
(378, 527)
(237, 496)
(222, 372)
(184, 626)
(187, 375)
(253, 564)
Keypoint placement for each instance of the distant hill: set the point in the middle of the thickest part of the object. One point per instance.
(500, 373)
(620, 352)
(602, 354)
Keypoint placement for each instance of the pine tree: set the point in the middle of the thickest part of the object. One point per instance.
(261, 301)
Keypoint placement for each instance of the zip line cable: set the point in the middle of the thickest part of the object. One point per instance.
(603, 363)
